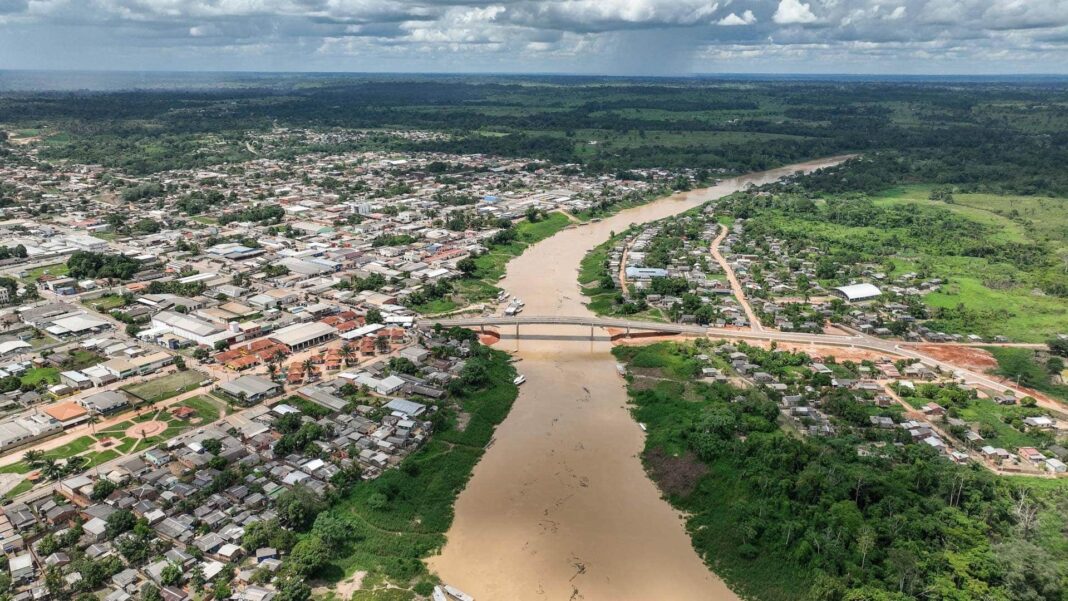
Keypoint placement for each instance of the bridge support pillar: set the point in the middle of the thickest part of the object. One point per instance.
(591, 332)
(628, 332)
(517, 330)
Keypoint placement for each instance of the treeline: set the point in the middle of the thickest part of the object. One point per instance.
(259, 214)
(87, 264)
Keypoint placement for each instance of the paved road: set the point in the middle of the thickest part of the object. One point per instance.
(888, 347)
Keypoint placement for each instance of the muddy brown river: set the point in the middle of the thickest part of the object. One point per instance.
(560, 507)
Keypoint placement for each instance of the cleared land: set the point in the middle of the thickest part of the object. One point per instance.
(165, 387)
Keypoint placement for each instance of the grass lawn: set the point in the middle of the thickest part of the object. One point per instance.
(1015, 313)
(39, 374)
(435, 307)
(989, 413)
(167, 386)
(72, 448)
(20, 488)
(106, 303)
(208, 408)
(98, 458)
(1004, 296)
(19, 467)
(59, 269)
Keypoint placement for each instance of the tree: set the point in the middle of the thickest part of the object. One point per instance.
(222, 589)
(179, 362)
(865, 543)
(532, 214)
(201, 353)
(212, 445)
(1059, 346)
(102, 488)
(308, 556)
(149, 592)
(292, 589)
(297, 507)
(33, 457)
(221, 345)
(170, 575)
(373, 316)
(119, 522)
(467, 266)
(346, 352)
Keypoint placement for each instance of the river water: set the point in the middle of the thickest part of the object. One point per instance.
(560, 506)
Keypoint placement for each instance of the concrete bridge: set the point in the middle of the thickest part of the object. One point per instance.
(626, 325)
(631, 326)
(888, 347)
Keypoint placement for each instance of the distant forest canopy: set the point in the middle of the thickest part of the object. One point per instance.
(999, 137)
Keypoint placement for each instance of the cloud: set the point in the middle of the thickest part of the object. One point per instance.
(793, 11)
(618, 36)
(733, 19)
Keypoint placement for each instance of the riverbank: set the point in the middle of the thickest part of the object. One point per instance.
(560, 505)
(783, 516)
(392, 523)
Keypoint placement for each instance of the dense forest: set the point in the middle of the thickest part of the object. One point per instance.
(857, 516)
(992, 136)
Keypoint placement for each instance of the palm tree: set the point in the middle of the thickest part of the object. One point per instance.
(34, 458)
(309, 368)
(50, 468)
(272, 369)
(346, 353)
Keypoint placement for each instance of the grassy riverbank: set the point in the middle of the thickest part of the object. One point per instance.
(392, 523)
(784, 518)
(481, 284)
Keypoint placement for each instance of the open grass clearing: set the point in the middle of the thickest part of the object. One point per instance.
(168, 386)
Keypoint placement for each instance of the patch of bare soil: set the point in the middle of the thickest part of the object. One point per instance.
(840, 353)
(675, 475)
(975, 359)
(647, 372)
(345, 589)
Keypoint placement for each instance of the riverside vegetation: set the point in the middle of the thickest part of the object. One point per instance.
(782, 517)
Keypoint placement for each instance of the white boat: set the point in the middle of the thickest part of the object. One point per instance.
(438, 594)
(622, 369)
(458, 594)
(642, 426)
(519, 379)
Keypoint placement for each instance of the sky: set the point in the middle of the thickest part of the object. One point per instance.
(613, 37)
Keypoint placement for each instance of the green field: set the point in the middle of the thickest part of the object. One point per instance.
(1021, 364)
(106, 302)
(208, 408)
(991, 288)
(165, 387)
(59, 269)
(37, 375)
